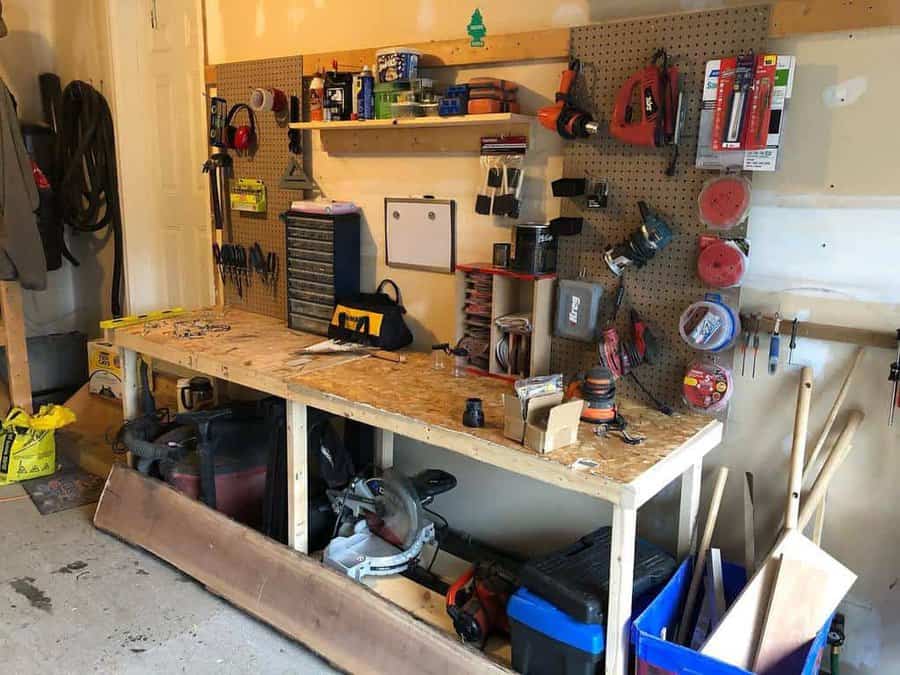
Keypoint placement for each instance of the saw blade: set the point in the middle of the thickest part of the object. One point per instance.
(399, 509)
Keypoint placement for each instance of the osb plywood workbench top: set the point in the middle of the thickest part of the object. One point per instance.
(414, 400)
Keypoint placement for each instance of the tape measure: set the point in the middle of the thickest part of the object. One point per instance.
(724, 201)
(721, 263)
(158, 315)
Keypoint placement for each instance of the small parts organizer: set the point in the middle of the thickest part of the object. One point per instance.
(505, 320)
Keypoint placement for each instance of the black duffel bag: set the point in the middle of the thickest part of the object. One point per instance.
(373, 319)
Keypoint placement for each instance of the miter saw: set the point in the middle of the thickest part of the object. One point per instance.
(382, 524)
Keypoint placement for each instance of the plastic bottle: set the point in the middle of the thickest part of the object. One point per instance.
(365, 97)
(316, 96)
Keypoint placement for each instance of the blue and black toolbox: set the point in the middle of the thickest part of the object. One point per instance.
(557, 616)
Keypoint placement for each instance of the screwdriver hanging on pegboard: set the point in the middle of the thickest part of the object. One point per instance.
(756, 318)
(793, 343)
(895, 378)
(775, 345)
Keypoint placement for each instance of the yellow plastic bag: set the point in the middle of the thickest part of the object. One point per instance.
(28, 442)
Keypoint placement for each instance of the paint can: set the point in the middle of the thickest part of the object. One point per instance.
(536, 248)
(397, 64)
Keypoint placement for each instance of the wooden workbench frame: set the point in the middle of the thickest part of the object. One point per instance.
(12, 334)
(683, 462)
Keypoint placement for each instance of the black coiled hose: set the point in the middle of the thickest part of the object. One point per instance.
(89, 184)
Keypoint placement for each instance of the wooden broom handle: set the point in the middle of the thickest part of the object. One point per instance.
(832, 416)
(691, 599)
(798, 449)
(832, 464)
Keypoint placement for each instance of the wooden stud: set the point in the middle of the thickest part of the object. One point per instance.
(298, 477)
(821, 331)
(689, 507)
(621, 580)
(798, 448)
(796, 17)
(699, 563)
(16, 345)
(384, 448)
(131, 384)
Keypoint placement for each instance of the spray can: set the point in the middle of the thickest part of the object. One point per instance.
(316, 96)
(365, 95)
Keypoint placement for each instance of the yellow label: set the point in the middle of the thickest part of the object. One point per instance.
(770, 59)
(690, 381)
(352, 318)
(101, 357)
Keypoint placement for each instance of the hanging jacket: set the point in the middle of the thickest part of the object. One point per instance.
(21, 250)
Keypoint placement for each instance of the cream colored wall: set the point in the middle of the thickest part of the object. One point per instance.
(67, 37)
(838, 159)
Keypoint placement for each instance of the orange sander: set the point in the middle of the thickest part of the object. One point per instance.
(564, 117)
(598, 391)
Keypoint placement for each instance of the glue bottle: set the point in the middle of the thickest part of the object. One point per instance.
(316, 96)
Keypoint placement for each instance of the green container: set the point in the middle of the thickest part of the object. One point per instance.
(385, 94)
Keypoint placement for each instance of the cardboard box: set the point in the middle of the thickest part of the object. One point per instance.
(104, 369)
(546, 425)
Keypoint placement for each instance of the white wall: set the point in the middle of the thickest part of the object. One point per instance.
(67, 37)
(839, 161)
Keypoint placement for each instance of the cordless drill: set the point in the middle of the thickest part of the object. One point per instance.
(563, 116)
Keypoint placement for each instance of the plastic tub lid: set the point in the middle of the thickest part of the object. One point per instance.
(395, 50)
(724, 201)
(707, 387)
(720, 326)
(540, 615)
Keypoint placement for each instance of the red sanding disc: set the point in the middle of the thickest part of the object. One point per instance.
(724, 201)
(721, 265)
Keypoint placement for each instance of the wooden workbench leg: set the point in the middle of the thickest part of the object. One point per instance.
(621, 581)
(298, 477)
(131, 385)
(384, 448)
(16, 345)
(688, 509)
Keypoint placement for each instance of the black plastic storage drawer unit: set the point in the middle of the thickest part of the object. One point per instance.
(322, 254)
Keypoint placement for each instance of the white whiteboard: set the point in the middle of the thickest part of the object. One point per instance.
(419, 233)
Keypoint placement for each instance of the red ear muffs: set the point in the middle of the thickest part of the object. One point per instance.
(240, 137)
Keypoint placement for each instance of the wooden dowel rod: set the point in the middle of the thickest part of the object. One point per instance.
(832, 464)
(798, 449)
(832, 416)
(699, 564)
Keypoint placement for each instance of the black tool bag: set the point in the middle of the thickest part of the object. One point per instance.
(373, 319)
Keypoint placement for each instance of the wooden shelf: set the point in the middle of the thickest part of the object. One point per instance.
(417, 122)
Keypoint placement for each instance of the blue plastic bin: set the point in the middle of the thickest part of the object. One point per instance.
(656, 656)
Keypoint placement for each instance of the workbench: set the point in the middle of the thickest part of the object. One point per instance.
(413, 400)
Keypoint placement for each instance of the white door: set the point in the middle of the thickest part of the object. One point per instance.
(157, 53)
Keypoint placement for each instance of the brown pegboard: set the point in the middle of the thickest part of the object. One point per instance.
(610, 53)
(267, 162)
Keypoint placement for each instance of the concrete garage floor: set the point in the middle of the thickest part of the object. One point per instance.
(76, 600)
